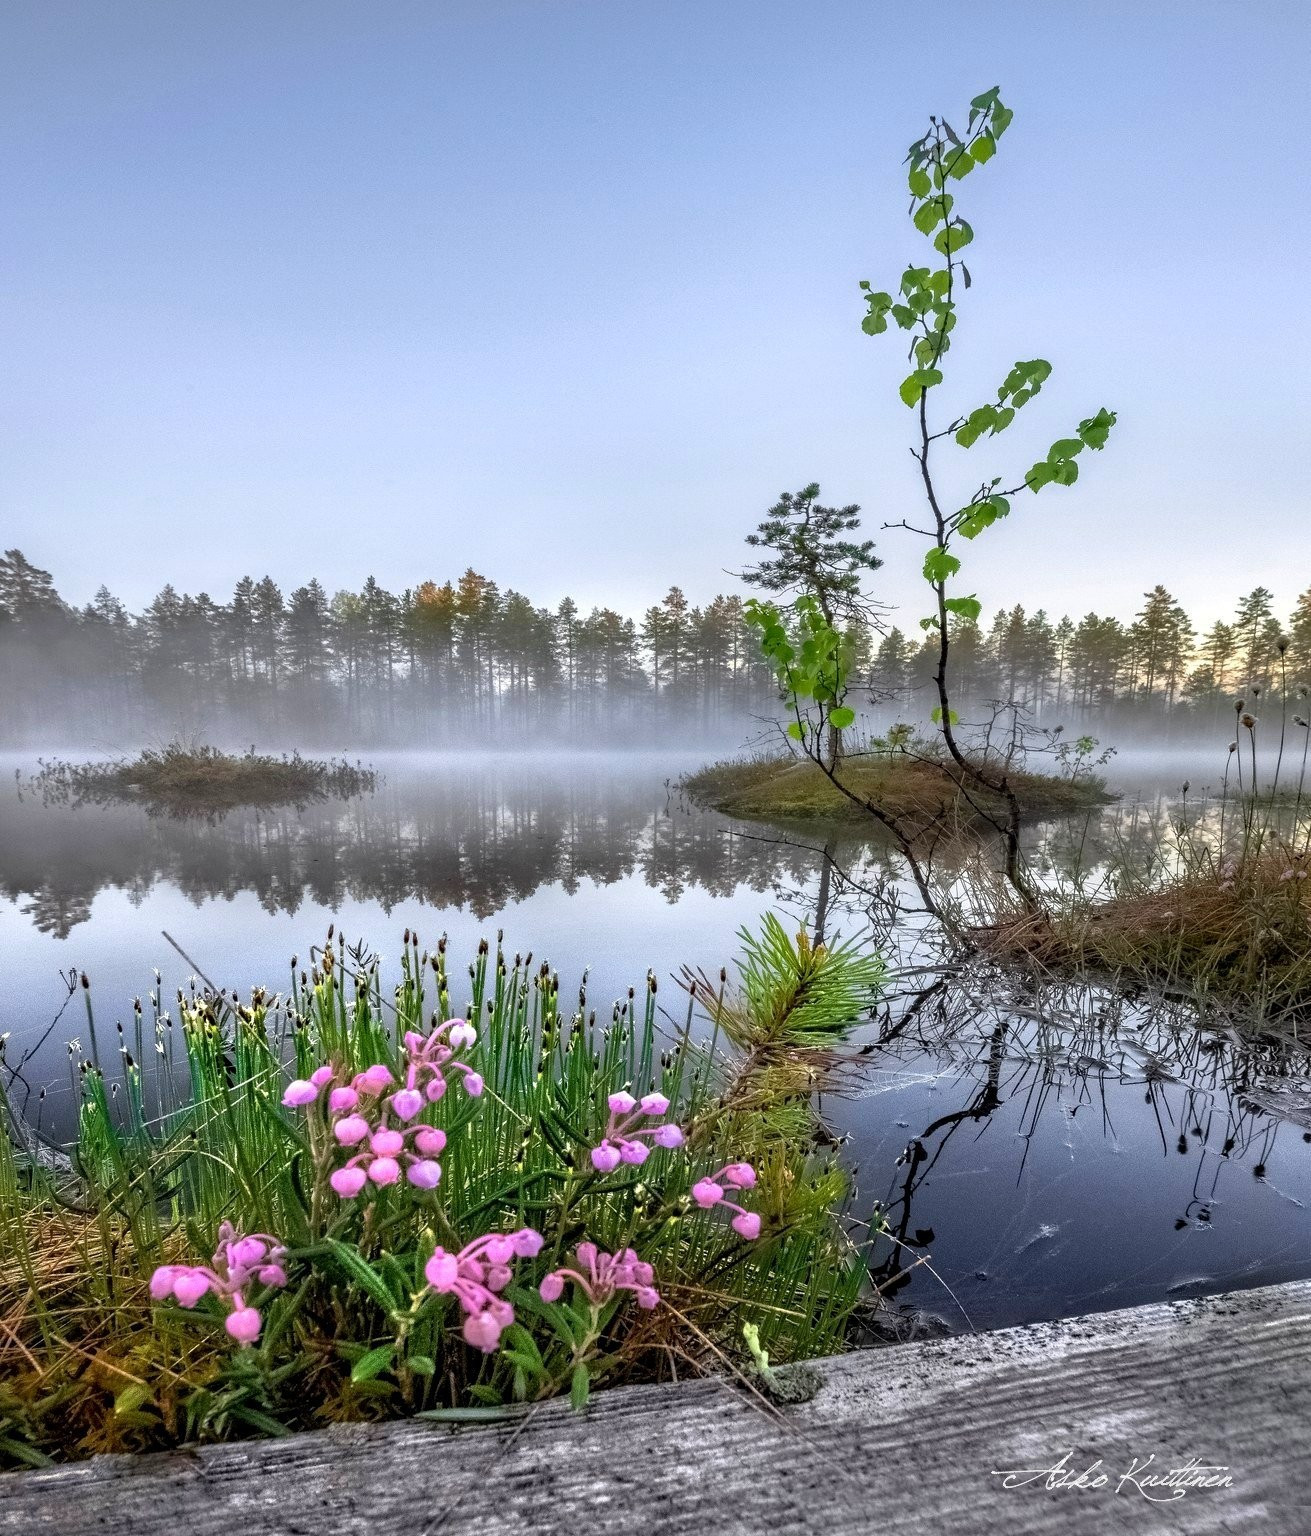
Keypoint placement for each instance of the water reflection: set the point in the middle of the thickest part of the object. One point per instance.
(1062, 1149)
(475, 835)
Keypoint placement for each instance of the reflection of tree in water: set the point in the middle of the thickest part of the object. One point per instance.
(463, 837)
(1069, 1049)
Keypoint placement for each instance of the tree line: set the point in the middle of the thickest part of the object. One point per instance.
(469, 661)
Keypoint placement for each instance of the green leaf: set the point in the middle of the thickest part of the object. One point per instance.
(1040, 475)
(926, 216)
(1065, 448)
(903, 315)
(796, 732)
(955, 237)
(364, 1276)
(876, 320)
(961, 165)
(980, 515)
(918, 179)
(983, 148)
(987, 99)
(373, 1363)
(21, 1451)
(922, 378)
(939, 565)
(976, 424)
(965, 607)
(841, 717)
(422, 1365)
(580, 1387)
(1001, 119)
(1097, 429)
(952, 717)
(473, 1415)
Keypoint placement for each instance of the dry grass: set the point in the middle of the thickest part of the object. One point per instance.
(1240, 937)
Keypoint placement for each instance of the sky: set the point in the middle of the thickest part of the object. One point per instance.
(566, 290)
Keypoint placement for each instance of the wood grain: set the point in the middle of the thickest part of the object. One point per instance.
(903, 1439)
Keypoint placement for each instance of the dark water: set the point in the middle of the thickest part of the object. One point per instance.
(1044, 1153)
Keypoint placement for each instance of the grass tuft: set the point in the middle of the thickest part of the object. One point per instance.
(88, 1363)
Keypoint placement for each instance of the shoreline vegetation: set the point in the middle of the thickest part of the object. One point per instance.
(185, 779)
(414, 1213)
(790, 787)
(1214, 906)
(1239, 942)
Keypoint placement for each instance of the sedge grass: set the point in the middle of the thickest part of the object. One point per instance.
(90, 1364)
(1210, 901)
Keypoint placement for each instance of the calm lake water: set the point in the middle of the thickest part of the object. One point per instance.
(1042, 1153)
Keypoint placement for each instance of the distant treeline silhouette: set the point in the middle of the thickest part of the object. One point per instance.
(469, 662)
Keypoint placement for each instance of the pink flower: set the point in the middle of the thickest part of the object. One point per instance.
(243, 1324)
(482, 1330)
(305, 1090)
(622, 1142)
(189, 1285)
(236, 1263)
(600, 1275)
(161, 1282)
(360, 1121)
(373, 1080)
(428, 1058)
(385, 1151)
(710, 1192)
(475, 1275)
(407, 1102)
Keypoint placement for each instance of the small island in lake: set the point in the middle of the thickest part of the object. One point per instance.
(187, 780)
(784, 787)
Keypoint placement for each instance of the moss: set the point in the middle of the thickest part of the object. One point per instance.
(785, 788)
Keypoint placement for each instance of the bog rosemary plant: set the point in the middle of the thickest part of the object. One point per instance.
(350, 1200)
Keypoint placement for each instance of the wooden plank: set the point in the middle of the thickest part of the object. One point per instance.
(903, 1439)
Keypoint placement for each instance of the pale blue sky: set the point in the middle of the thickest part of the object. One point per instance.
(566, 290)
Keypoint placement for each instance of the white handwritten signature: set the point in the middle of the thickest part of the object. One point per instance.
(1157, 1482)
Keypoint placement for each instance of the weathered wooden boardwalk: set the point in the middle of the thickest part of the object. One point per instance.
(900, 1440)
